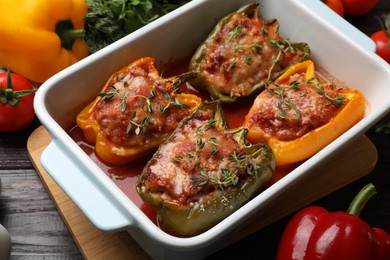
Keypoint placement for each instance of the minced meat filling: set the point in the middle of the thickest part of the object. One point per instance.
(292, 109)
(137, 109)
(242, 54)
(193, 161)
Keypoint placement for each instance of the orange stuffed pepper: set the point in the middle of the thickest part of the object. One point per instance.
(135, 112)
(299, 114)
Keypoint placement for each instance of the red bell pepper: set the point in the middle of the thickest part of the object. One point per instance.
(315, 233)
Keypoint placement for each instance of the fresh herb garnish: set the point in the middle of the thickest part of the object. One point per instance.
(236, 31)
(282, 49)
(145, 102)
(285, 104)
(140, 127)
(229, 176)
(337, 101)
(231, 65)
(106, 96)
(175, 103)
(109, 20)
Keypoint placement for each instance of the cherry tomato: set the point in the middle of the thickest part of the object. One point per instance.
(16, 102)
(335, 5)
(382, 40)
(358, 7)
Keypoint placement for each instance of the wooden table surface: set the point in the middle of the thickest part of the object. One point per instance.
(38, 232)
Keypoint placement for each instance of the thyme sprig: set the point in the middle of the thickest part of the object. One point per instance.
(285, 104)
(236, 31)
(200, 144)
(229, 176)
(140, 127)
(264, 30)
(175, 103)
(226, 179)
(338, 100)
(210, 123)
(243, 162)
(106, 96)
(239, 48)
(145, 102)
(253, 47)
(282, 49)
(232, 64)
(147, 121)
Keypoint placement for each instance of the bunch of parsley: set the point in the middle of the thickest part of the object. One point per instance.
(110, 20)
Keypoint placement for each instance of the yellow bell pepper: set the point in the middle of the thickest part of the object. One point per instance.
(164, 109)
(42, 37)
(299, 149)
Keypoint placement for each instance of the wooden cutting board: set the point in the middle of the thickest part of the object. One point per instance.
(349, 164)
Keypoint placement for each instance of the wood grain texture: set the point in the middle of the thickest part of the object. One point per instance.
(93, 243)
(38, 230)
(26, 209)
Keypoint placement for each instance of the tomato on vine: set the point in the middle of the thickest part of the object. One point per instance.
(16, 102)
(382, 40)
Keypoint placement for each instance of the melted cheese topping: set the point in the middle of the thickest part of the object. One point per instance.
(308, 109)
(176, 171)
(241, 55)
(132, 106)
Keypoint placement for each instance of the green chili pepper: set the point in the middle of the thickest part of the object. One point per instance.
(241, 54)
(204, 172)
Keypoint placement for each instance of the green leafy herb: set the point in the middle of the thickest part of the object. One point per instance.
(337, 101)
(140, 127)
(284, 104)
(264, 30)
(106, 96)
(110, 20)
(236, 31)
(175, 103)
(229, 176)
(231, 65)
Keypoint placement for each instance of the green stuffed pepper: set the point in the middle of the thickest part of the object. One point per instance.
(241, 54)
(203, 172)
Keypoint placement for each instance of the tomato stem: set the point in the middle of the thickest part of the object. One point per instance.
(361, 199)
(8, 95)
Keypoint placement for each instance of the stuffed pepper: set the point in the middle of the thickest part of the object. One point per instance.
(241, 53)
(136, 111)
(203, 172)
(299, 113)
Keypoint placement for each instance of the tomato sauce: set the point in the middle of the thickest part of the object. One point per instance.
(125, 177)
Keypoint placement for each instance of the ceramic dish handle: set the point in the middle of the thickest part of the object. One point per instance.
(341, 24)
(93, 202)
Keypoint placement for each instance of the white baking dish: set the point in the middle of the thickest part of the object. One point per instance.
(336, 45)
